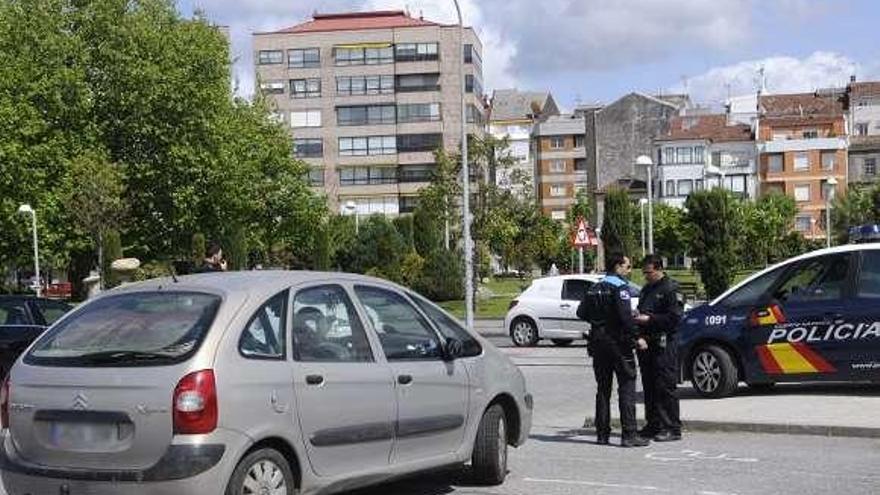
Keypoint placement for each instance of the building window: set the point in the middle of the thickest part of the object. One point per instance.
(811, 134)
(472, 84)
(304, 58)
(305, 88)
(699, 154)
(364, 85)
(345, 56)
(802, 223)
(385, 205)
(869, 167)
(359, 176)
(472, 56)
(365, 115)
(557, 214)
(316, 177)
(698, 184)
(474, 115)
(557, 142)
(270, 57)
(419, 142)
(670, 188)
(829, 160)
(738, 183)
(580, 164)
(308, 148)
(802, 193)
(418, 82)
(685, 187)
(418, 112)
(408, 204)
(557, 191)
(579, 141)
(417, 173)
(368, 145)
(416, 52)
(774, 163)
(684, 155)
(305, 118)
(801, 161)
(716, 158)
(668, 156)
(272, 87)
(862, 129)
(557, 166)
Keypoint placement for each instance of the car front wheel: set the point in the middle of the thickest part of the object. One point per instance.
(713, 372)
(264, 471)
(523, 332)
(489, 460)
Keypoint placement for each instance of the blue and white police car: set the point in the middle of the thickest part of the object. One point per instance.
(815, 317)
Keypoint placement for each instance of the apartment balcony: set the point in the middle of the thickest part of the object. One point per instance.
(782, 146)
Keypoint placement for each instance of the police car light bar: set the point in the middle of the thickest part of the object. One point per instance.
(864, 233)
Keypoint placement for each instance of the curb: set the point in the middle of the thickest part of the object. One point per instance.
(769, 428)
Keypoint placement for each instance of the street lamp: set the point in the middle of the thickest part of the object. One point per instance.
(645, 161)
(642, 203)
(465, 190)
(26, 208)
(712, 169)
(830, 185)
(351, 207)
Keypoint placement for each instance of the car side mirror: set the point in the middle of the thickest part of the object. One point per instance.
(452, 349)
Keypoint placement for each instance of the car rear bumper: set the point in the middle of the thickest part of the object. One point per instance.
(195, 468)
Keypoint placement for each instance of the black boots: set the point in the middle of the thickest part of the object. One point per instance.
(634, 441)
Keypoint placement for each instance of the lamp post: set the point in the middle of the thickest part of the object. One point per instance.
(465, 190)
(642, 203)
(26, 208)
(831, 186)
(351, 207)
(646, 161)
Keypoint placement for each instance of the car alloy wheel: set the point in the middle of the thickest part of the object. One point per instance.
(714, 372)
(524, 333)
(706, 372)
(264, 478)
(262, 472)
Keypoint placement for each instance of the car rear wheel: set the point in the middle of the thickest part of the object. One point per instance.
(489, 460)
(713, 372)
(561, 342)
(264, 471)
(523, 332)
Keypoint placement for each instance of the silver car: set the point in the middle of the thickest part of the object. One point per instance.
(256, 383)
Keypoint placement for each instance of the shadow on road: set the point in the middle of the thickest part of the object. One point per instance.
(786, 389)
(439, 482)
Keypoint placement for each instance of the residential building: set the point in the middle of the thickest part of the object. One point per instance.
(863, 105)
(694, 142)
(561, 165)
(802, 142)
(512, 114)
(368, 97)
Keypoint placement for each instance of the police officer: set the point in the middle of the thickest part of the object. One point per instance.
(660, 308)
(611, 342)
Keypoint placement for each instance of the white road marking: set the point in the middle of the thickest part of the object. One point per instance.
(596, 483)
(695, 455)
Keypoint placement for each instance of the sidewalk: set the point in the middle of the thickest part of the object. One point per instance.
(490, 328)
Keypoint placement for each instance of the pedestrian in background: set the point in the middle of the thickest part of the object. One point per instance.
(213, 261)
(660, 309)
(611, 341)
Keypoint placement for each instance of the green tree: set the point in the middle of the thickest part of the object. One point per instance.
(404, 226)
(854, 208)
(112, 252)
(197, 249)
(379, 249)
(766, 222)
(716, 224)
(671, 233)
(442, 276)
(617, 225)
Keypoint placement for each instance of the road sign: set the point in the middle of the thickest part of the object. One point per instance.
(583, 235)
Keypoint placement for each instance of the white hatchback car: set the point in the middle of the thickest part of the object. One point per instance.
(548, 310)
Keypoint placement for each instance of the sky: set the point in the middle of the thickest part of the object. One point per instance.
(595, 51)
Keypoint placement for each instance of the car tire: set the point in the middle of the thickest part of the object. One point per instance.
(257, 470)
(713, 372)
(489, 459)
(524, 332)
(562, 342)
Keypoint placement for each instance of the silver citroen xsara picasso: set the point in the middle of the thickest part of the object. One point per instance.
(254, 383)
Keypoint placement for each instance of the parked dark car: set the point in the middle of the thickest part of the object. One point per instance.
(23, 319)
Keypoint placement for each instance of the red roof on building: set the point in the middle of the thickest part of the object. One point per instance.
(712, 127)
(861, 89)
(801, 105)
(355, 21)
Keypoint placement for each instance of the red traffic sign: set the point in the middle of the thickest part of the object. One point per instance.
(583, 235)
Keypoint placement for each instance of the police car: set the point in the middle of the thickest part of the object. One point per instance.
(815, 317)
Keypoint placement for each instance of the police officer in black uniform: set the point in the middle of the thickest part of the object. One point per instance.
(660, 308)
(611, 341)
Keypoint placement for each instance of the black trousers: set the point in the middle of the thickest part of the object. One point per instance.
(609, 362)
(659, 368)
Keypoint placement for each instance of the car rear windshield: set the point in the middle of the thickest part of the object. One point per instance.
(134, 329)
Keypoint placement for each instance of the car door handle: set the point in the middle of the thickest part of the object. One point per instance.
(314, 379)
(565, 306)
(404, 379)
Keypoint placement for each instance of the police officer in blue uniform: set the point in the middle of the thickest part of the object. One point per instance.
(660, 309)
(611, 342)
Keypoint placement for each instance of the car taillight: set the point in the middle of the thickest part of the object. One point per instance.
(195, 404)
(512, 304)
(4, 403)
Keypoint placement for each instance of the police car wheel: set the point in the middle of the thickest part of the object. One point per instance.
(523, 332)
(713, 372)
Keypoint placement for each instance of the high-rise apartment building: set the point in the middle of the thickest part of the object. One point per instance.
(368, 97)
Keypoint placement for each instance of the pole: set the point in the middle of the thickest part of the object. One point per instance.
(642, 211)
(580, 259)
(650, 212)
(38, 286)
(357, 227)
(828, 216)
(466, 179)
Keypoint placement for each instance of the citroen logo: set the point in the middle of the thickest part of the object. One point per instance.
(80, 402)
